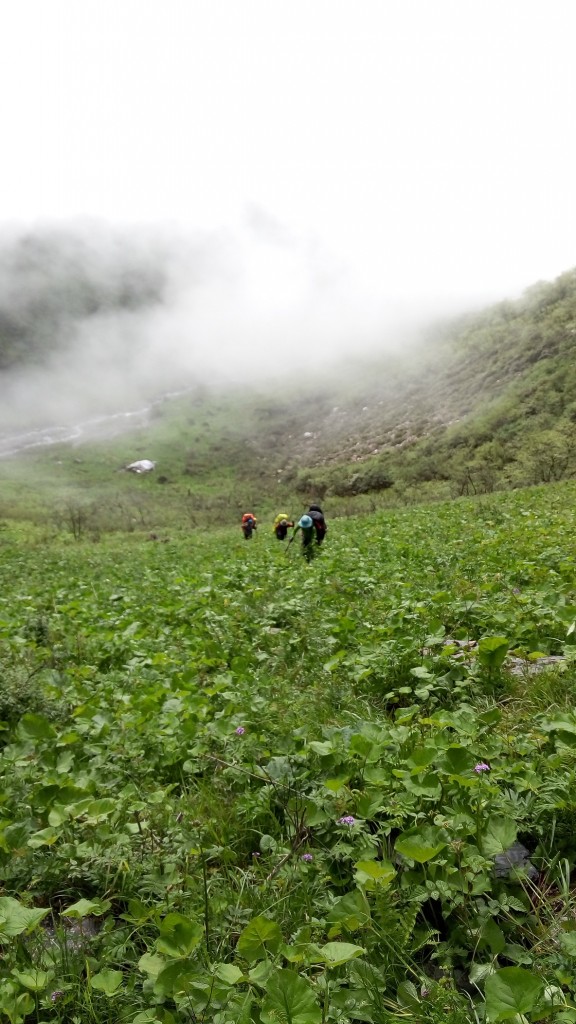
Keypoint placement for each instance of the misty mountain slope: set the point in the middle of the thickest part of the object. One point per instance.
(486, 400)
(504, 373)
(476, 406)
(52, 282)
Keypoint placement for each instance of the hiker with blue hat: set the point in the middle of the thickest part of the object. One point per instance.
(306, 524)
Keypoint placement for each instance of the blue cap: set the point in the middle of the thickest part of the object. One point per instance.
(305, 522)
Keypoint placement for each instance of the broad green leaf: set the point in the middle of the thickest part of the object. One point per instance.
(37, 726)
(492, 936)
(370, 803)
(479, 972)
(372, 874)
(260, 937)
(57, 815)
(558, 725)
(424, 785)
(407, 995)
(290, 999)
(377, 776)
(336, 953)
(240, 1009)
(44, 837)
(568, 942)
(16, 919)
(510, 991)
(107, 981)
(15, 1005)
(497, 835)
(302, 953)
(362, 745)
(85, 907)
(36, 980)
(179, 936)
(259, 975)
(98, 809)
(492, 650)
(77, 808)
(352, 911)
(229, 973)
(151, 964)
(421, 844)
(178, 976)
(421, 672)
(457, 760)
(337, 784)
(421, 757)
(321, 748)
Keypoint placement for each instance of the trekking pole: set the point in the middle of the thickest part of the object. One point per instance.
(289, 543)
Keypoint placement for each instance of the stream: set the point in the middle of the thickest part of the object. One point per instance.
(96, 428)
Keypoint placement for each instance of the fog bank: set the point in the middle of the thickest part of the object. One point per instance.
(95, 321)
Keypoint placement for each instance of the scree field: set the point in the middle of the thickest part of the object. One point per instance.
(238, 787)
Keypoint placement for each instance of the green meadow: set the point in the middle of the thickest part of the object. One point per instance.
(238, 787)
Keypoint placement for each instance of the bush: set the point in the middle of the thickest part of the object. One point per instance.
(21, 694)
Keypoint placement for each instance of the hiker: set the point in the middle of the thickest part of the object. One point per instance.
(281, 525)
(306, 524)
(248, 524)
(317, 516)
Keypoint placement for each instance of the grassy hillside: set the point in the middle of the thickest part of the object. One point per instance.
(240, 787)
(484, 402)
(488, 401)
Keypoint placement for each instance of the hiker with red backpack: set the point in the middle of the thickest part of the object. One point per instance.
(248, 524)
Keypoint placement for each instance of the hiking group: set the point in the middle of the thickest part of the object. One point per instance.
(312, 525)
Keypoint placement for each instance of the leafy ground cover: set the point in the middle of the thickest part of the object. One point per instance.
(240, 787)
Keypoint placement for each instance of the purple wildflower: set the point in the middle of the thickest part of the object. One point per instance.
(307, 857)
(240, 730)
(481, 767)
(56, 995)
(347, 820)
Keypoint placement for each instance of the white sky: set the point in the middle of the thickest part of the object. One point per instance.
(428, 146)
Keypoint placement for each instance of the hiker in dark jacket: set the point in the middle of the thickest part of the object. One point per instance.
(317, 516)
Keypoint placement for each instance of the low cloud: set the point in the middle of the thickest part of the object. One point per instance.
(95, 322)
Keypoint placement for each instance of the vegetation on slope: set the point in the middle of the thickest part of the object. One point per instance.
(489, 402)
(238, 787)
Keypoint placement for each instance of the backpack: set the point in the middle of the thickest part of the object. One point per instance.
(318, 518)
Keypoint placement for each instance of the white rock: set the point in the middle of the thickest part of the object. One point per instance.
(141, 466)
